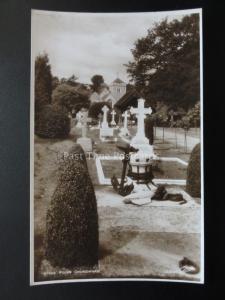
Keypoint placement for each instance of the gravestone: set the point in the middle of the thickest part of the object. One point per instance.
(113, 122)
(140, 112)
(140, 141)
(78, 118)
(124, 130)
(105, 130)
(84, 141)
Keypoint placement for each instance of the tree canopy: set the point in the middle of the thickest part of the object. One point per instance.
(97, 81)
(67, 97)
(166, 65)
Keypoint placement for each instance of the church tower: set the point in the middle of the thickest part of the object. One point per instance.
(117, 88)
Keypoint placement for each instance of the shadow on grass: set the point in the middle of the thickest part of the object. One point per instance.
(113, 240)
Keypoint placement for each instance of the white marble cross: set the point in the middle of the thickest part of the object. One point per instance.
(124, 130)
(125, 115)
(113, 122)
(78, 117)
(140, 113)
(105, 109)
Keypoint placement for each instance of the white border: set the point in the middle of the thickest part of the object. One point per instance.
(32, 282)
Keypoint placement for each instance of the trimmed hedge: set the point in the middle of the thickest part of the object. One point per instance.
(193, 186)
(52, 123)
(72, 219)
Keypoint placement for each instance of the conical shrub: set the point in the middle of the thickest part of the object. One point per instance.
(72, 219)
(193, 185)
(52, 123)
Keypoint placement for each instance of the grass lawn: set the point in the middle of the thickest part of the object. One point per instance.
(163, 170)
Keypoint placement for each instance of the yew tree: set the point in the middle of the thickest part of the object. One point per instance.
(43, 82)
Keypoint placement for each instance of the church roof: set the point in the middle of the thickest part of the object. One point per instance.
(128, 99)
(118, 80)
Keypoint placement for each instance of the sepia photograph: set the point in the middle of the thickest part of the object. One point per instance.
(116, 147)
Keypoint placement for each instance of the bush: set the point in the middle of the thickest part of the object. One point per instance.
(72, 219)
(69, 97)
(193, 186)
(52, 123)
(76, 154)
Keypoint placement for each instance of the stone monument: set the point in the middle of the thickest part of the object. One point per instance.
(124, 130)
(78, 118)
(84, 141)
(113, 122)
(140, 164)
(140, 141)
(105, 130)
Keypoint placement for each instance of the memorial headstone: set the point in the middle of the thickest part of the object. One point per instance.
(113, 122)
(140, 112)
(105, 130)
(84, 141)
(124, 130)
(140, 141)
(78, 118)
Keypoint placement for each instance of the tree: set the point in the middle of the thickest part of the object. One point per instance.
(165, 64)
(43, 82)
(67, 97)
(96, 109)
(72, 80)
(194, 115)
(55, 82)
(97, 81)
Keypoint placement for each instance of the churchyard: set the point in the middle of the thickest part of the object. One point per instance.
(136, 240)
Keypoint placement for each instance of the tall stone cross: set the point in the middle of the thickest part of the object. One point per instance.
(105, 124)
(140, 113)
(124, 130)
(113, 122)
(125, 115)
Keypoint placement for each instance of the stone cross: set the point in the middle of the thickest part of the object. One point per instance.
(113, 122)
(105, 109)
(84, 117)
(78, 117)
(124, 131)
(140, 113)
(125, 115)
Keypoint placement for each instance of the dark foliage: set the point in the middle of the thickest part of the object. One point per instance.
(43, 83)
(72, 219)
(68, 97)
(97, 81)
(193, 186)
(52, 123)
(96, 109)
(75, 154)
(149, 129)
(166, 62)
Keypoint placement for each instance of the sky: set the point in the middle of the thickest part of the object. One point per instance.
(85, 44)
